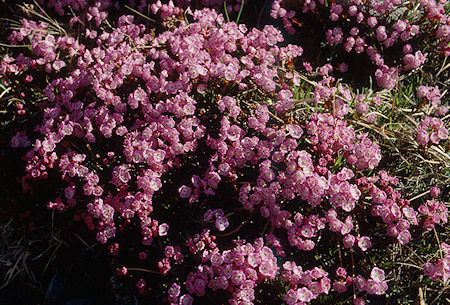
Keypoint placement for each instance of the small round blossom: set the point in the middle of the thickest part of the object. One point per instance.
(174, 290)
(364, 243)
(185, 191)
(343, 67)
(163, 229)
(222, 223)
(377, 275)
(435, 191)
(349, 241)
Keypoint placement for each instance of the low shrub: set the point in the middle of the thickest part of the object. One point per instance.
(199, 155)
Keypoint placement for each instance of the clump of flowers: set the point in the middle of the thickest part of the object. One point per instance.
(237, 270)
(431, 130)
(441, 268)
(370, 28)
(431, 94)
(435, 212)
(180, 133)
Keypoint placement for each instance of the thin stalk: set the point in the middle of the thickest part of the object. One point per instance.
(240, 11)
(226, 11)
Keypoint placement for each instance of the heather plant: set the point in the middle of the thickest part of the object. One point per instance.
(208, 167)
(393, 37)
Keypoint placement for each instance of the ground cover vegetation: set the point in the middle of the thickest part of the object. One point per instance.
(214, 152)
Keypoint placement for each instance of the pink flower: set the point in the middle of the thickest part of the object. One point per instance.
(325, 285)
(360, 282)
(291, 297)
(174, 290)
(341, 272)
(122, 271)
(254, 259)
(404, 237)
(141, 283)
(373, 287)
(58, 64)
(304, 295)
(169, 251)
(185, 191)
(186, 299)
(163, 229)
(343, 67)
(364, 243)
(362, 108)
(372, 21)
(435, 191)
(237, 277)
(221, 223)
(200, 284)
(422, 138)
(142, 256)
(267, 269)
(307, 66)
(216, 259)
(340, 287)
(348, 241)
(377, 274)
(294, 130)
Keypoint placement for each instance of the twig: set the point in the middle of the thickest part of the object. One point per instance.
(139, 13)
(353, 269)
(443, 68)
(15, 46)
(144, 270)
(84, 242)
(236, 229)
(51, 257)
(409, 265)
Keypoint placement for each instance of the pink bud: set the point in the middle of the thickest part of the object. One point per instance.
(435, 191)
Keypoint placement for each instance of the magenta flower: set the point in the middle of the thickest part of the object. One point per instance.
(364, 243)
(404, 237)
(216, 259)
(222, 223)
(291, 297)
(304, 295)
(174, 290)
(435, 191)
(185, 191)
(377, 274)
(163, 229)
(294, 130)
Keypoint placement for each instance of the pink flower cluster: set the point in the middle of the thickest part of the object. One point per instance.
(221, 221)
(363, 27)
(305, 286)
(278, 11)
(170, 253)
(238, 270)
(201, 242)
(128, 106)
(20, 140)
(434, 212)
(161, 129)
(431, 94)
(366, 154)
(77, 5)
(393, 210)
(376, 284)
(441, 268)
(431, 129)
